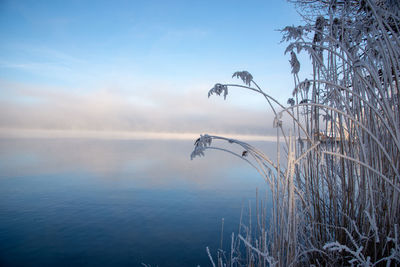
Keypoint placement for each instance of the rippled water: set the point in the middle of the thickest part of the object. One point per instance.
(72, 202)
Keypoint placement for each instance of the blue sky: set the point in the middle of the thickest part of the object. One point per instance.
(139, 65)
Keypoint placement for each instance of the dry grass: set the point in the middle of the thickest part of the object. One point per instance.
(336, 200)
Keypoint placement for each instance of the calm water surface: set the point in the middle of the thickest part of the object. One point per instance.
(72, 202)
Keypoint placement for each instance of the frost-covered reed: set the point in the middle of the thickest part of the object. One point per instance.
(336, 198)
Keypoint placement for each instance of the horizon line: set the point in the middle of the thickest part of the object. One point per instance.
(120, 135)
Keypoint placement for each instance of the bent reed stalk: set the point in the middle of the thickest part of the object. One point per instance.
(337, 199)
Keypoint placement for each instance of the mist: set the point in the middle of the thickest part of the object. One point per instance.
(108, 109)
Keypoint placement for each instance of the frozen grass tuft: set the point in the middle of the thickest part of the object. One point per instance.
(336, 200)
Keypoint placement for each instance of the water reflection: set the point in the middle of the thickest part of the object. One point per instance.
(115, 203)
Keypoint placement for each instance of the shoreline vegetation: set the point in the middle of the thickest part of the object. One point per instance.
(336, 196)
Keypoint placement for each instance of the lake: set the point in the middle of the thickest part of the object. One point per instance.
(92, 202)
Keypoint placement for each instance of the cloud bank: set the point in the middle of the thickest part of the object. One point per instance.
(108, 109)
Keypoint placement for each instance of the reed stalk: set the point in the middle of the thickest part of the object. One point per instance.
(336, 199)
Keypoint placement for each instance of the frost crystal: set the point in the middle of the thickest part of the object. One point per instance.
(319, 25)
(244, 75)
(326, 117)
(278, 120)
(294, 63)
(292, 32)
(200, 145)
(218, 89)
(302, 86)
(290, 101)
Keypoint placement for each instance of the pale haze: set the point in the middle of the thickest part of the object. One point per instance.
(100, 105)
(140, 66)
